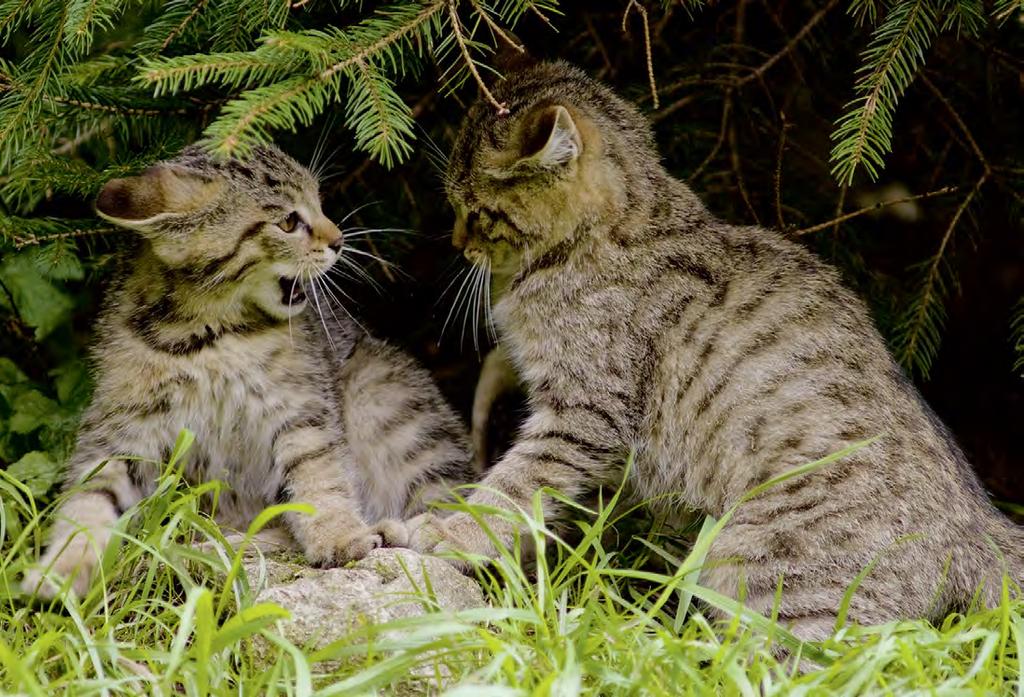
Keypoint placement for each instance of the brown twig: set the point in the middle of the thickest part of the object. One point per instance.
(32, 240)
(737, 168)
(759, 71)
(607, 69)
(647, 44)
(496, 28)
(873, 207)
(543, 17)
(960, 122)
(501, 108)
(726, 108)
(778, 174)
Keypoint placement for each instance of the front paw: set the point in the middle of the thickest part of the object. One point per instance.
(458, 534)
(358, 544)
(75, 561)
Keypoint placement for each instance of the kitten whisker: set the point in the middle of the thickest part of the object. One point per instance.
(465, 275)
(291, 293)
(319, 311)
(491, 328)
(344, 309)
(371, 255)
(360, 273)
(356, 210)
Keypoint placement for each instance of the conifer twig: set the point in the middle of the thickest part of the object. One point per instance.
(184, 23)
(21, 242)
(960, 123)
(778, 173)
(647, 45)
(760, 70)
(501, 108)
(496, 28)
(874, 207)
(932, 292)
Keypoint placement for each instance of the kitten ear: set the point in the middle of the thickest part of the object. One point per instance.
(553, 141)
(159, 192)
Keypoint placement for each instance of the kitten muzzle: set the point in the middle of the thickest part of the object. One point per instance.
(292, 292)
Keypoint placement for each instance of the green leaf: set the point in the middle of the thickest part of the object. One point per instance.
(37, 471)
(39, 303)
(10, 373)
(57, 262)
(32, 410)
(73, 383)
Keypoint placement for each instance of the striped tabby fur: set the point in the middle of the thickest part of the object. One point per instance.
(208, 329)
(723, 355)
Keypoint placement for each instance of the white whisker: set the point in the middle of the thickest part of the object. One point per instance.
(465, 275)
(320, 312)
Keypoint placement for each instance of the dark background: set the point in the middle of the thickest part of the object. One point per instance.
(972, 383)
(766, 162)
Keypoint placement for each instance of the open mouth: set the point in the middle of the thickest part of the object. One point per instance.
(291, 291)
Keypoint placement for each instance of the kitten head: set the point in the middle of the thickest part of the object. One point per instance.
(229, 224)
(563, 159)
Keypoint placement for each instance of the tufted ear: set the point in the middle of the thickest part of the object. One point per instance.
(550, 140)
(159, 192)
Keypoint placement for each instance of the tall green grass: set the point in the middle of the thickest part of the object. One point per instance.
(616, 610)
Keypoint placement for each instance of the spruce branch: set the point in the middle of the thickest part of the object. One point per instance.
(758, 72)
(919, 333)
(13, 13)
(85, 18)
(495, 28)
(863, 135)
(456, 26)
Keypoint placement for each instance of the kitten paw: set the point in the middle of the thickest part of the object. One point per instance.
(387, 533)
(456, 534)
(76, 561)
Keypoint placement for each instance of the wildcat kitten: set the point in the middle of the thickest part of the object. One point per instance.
(208, 330)
(723, 355)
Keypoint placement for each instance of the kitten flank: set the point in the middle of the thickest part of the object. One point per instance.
(723, 355)
(207, 329)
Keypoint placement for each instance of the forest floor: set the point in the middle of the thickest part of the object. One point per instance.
(168, 617)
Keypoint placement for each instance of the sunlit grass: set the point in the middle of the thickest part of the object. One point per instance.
(615, 611)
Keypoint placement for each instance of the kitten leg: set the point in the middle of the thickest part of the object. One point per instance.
(497, 376)
(83, 529)
(407, 444)
(314, 465)
(563, 450)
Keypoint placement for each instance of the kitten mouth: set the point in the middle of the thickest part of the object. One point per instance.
(292, 292)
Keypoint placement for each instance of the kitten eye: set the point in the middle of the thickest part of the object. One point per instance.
(291, 223)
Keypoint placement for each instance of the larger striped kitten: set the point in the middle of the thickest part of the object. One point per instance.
(208, 329)
(723, 355)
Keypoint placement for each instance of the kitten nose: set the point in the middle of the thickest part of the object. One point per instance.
(329, 234)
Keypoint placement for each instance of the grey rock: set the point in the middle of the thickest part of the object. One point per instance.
(327, 604)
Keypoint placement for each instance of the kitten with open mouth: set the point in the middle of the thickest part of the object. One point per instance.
(208, 329)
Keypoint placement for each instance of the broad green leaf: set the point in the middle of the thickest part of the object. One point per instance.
(10, 373)
(32, 409)
(36, 471)
(73, 383)
(39, 303)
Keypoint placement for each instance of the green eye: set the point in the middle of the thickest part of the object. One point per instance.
(291, 223)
